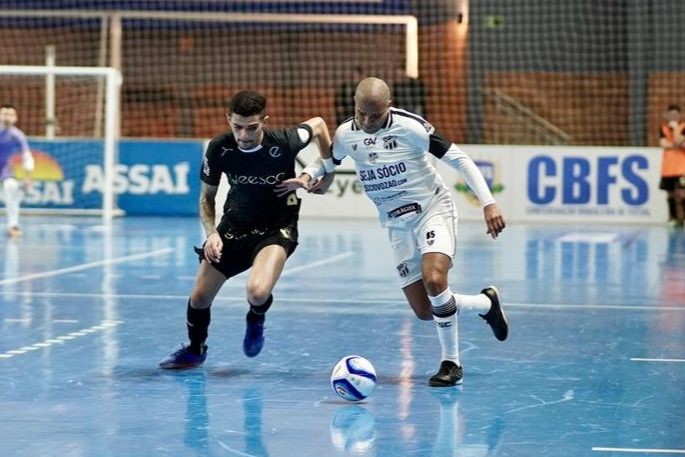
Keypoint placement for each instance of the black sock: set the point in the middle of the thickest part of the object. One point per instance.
(197, 323)
(257, 312)
(671, 209)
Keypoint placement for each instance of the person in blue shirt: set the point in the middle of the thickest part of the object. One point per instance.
(13, 141)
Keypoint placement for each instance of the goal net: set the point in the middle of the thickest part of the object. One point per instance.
(70, 116)
(487, 71)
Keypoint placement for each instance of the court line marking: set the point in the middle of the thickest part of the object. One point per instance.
(639, 359)
(84, 266)
(308, 266)
(645, 451)
(60, 339)
(234, 451)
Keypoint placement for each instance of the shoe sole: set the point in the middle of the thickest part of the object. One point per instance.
(441, 384)
(180, 367)
(252, 354)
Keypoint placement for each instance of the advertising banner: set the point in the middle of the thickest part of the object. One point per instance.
(531, 183)
(559, 183)
(150, 178)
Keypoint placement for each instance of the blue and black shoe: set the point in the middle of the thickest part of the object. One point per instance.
(185, 357)
(254, 334)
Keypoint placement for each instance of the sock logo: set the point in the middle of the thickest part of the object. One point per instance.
(444, 324)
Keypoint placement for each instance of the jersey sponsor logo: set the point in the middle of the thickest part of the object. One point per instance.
(389, 142)
(406, 209)
(386, 171)
(384, 185)
(275, 152)
(373, 157)
(387, 198)
(354, 147)
(205, 166)
(369, 141)
(403, 269)
(256, 180)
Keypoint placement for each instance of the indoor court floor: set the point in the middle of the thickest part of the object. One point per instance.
(594, 364)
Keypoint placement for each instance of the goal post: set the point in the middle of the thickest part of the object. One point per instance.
(79, 84)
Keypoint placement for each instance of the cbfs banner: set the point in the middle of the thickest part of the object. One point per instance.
(150, 178)
(558, 184)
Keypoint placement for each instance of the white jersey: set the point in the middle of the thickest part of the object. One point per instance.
(394, 168)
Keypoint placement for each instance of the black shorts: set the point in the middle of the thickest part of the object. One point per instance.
(239, 251)
(671, 183)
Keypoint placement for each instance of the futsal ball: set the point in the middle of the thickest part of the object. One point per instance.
(353, 378)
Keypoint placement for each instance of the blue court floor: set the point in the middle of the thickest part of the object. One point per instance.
(594, 365)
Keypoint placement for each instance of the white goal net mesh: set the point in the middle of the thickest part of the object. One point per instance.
(489, 71)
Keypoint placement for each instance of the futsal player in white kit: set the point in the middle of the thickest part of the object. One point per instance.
(390, 149)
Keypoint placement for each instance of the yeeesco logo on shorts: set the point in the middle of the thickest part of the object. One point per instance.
(489, 172)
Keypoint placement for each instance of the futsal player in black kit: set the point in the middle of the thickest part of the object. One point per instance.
(258, 229)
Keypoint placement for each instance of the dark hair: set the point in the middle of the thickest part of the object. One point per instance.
(8, 106)
(673, 107)
(247, 103)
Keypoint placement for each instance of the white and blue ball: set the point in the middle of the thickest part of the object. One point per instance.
(353, 378)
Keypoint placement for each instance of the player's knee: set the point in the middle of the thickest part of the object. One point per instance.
(435, 282)
(200, 299)
(257, 294)
(422, 308)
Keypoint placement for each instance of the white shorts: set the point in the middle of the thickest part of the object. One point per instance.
(434, 231)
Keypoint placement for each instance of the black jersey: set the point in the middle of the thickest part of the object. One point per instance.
(252, 176)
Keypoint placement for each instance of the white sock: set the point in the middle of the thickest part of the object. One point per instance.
(445, 314)
(12, 194)
(480, 302)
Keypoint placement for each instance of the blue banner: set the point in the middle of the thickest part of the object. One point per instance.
(151, 177)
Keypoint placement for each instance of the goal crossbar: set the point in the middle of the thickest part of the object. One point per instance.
(409, 22)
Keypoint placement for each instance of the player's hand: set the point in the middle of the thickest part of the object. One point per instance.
(289, 185)
(213, 247)
(494, 220)
(320, 186)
